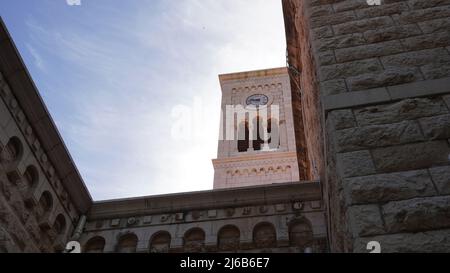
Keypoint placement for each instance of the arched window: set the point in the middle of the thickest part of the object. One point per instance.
(160, 242)
(300, 235)
(243, 137)
(14, 149)
(95, 245)
(46, 202)
(127, 243)
(258, 135)
(273, 128)
(264, 236)
(229, 238)
(31, 176)
(194, 240)
(60, 224)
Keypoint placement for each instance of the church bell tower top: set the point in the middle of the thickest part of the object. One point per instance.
(253, 74)
(257, 139)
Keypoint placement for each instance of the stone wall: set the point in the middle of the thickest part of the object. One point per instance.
(36, 214)
(42, 195)
(383, 75)
(306, 101)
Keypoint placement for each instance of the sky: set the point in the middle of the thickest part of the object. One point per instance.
(120, 77)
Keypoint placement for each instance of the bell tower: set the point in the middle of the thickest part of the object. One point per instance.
(257, 141)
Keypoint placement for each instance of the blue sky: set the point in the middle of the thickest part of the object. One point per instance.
(114, 75)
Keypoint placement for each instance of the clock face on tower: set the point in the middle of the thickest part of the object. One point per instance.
(257, 100)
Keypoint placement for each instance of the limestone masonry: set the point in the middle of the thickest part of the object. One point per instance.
(373, 82)
(359, 149)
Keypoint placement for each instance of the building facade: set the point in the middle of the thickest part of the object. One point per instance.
(286, 218)
(42, 195)
(363, 151)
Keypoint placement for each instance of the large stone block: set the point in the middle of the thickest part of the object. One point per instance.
(441, 178)
(368, 51)
(321, 11)
(423, 242)
(355, 164)
(356, 98)
(333, 87)
(411, 156)
(366, 137)
(322, 32)
(326, 58)
(333, 19)
(420, 4)
(417, 214)
(416, 58)
(341, 41)
(341, 119)
(429, 89)
(365, 220)
(388, 187)
(433, 40)
(349, 5)
(391, 33)
(349, 69)
(436, 70)
(404, 110)
(362, 25)
(437, 127)
(388, 77)
(423, 14)
(435, 25)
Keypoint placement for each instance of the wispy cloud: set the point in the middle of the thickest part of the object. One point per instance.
(38, 61)
(116, 71)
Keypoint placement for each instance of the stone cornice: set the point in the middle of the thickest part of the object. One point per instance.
(387, 94)
(263, 156)
(251, 74)
(207, 200)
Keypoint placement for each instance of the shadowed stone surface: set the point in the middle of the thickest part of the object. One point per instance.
(384, 107)
(423, 242)
(365, 220)
(383, 188)
(417, 214)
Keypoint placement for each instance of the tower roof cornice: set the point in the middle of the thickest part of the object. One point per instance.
(252, 74)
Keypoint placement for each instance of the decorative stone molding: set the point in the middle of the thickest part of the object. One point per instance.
(260, 171)
(115, 222)
(132, 221)
(297, 206)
